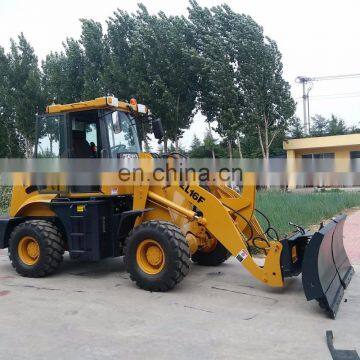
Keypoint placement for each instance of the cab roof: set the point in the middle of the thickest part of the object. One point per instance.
(106, 102)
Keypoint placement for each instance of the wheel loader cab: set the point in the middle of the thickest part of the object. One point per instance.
(86, 134)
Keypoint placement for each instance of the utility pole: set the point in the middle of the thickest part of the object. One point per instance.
(306, 90)
(306, 107)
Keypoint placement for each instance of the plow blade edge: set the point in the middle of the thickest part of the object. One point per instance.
(326, 269)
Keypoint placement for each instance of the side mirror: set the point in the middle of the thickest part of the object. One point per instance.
(157, 128)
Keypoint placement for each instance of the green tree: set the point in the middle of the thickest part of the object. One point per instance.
(11, 145)
(164, 70)
(354, 129)
(118, 76)
(208, 148)
(296, 130)
(95, 61)
(63, 73)
(27, 97)
(241, 83)
(319, 126)
(53, 77)
(219, 98)
(270, 106)
(336, 126)
(74, 68)
(196, 143)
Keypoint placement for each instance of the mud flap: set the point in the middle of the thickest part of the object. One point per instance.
(326, 269)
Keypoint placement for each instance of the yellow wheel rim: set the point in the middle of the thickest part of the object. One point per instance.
(29, 250)
(150, 257)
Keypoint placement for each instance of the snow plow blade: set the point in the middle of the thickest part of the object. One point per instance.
(326, 269)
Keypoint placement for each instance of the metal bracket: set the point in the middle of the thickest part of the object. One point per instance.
(339, 354)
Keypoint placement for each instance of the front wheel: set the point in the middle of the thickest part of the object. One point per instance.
(157, 256)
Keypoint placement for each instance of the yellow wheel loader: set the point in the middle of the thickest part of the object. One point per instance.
(158, 228)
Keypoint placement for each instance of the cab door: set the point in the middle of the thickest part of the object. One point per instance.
(51, 139)
(51, 143)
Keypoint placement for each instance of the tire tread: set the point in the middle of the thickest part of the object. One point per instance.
(178, 242)
(54, 244)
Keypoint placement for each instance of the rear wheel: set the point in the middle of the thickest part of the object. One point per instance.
(157, 256)
(211, 257)
(36, 248)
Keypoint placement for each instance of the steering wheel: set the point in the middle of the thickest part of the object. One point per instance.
(118, 148)
(175, 154)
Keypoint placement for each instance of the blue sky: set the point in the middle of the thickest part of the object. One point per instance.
(315, 37)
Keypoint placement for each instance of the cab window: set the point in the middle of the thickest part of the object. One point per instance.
(51, 136)
(84, 138)
(122, 134)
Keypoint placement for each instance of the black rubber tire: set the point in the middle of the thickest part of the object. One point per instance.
(176, 251)
(214, 258)
(51, 244)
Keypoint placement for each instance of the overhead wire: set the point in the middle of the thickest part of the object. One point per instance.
(335, 77)
(335, 96)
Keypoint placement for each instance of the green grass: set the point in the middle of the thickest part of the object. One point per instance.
(304, 209)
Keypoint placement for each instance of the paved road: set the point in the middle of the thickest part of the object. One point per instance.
(352, 237)
(93, 311)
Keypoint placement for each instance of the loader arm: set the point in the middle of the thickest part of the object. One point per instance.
(218, 221)
(221, 225)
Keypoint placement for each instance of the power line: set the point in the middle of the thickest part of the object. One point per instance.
(338, 94)
(337, 77)
(303, 80)
(334, 96)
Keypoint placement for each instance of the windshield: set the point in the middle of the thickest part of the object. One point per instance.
(122, 133)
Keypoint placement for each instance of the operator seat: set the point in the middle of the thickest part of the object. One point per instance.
(81, 148)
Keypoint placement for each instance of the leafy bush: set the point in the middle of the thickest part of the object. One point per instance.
(5, 196)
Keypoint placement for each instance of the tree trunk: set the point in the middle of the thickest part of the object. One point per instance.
(261, 142)
(230, 149)
(165, 145)
(146, 146)
(51, 145)
(239, 147)
(28, 148)
(266, 151)
(176, 144)
(266, 145)
(212, 149)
